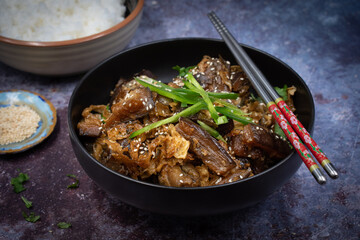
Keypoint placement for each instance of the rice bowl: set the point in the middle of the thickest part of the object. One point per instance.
(51, 20)
(69, 57)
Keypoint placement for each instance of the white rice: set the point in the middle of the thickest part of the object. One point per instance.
(58, 20)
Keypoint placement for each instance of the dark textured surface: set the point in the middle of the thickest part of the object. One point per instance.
(318, 39)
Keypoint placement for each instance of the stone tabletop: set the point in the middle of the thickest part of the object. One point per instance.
(319, 39)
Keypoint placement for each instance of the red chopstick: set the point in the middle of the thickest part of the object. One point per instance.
(277, 106)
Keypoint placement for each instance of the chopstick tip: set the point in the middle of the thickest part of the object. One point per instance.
(319, 176)
(330, 169)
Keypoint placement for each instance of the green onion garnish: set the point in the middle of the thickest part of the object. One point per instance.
(234, 115)
(185, 113)
(197, 97)
(197, 88)
(211, 131)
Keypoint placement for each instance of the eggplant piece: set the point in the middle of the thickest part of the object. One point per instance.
(214, 74)
(233, 176)
(239, 81)
(271, 143)
(257, 137)
(117, 93)
(123, 86)
(224, 129)
(135, 104)
(90, 125)
(179, 176)
(205, 147)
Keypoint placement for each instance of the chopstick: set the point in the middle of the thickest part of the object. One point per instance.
(277, 106)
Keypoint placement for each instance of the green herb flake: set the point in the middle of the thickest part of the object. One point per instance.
(63, 225)
(280, 132)
(282, 92)
(18, 182)
(74, 184)
(28, 203)
(255, 98)
(182, 70)
(31, 217)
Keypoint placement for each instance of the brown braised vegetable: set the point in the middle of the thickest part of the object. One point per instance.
(182, 154)
(205, 147)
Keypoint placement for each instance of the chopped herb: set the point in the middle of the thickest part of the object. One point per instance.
(254, 98)
(31, 217)
(18, 182)
(282, 92)
(74, 184)
(103, 119)
(280, 132)
(28, 203)
(64, 225)
(182, 70)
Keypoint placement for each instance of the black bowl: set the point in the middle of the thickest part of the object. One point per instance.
(160, 57)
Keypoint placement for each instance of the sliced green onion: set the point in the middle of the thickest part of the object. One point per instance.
(197, 88)
(185, 113)
(211, 131)
(223, 95)
(163, 90)
(198, 97)
(234, 115)
(231, 106)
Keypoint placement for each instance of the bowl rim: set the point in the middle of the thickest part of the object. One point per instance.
(73, 135)
(137, 10)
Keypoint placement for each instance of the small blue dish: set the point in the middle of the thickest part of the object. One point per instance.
(41, 106)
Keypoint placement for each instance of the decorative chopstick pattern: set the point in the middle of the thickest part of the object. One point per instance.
(292, 136)
(306, 137)
(278, 108)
